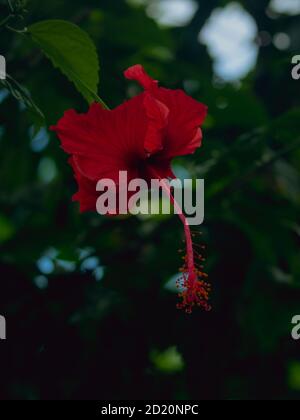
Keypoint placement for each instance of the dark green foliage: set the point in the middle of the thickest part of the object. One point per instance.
(73, 337)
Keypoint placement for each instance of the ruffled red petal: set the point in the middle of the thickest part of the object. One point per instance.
(183, 134)
(86, 194)
(186, 116)
(105, 142)
(139, 74)
(102, 143)
(157, 114)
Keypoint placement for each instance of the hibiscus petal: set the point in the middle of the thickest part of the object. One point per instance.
(139, 74)
(184, 134)
(86, 195)
(105, 142)
(157, 114)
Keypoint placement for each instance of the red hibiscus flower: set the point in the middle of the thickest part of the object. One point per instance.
(141, 136)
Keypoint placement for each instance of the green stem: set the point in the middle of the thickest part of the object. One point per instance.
(100, 101)
(10, 5)
(4, 21)
(18, 31)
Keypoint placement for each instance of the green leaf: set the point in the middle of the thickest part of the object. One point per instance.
(7, 229)
(72, 51)
(168, 361)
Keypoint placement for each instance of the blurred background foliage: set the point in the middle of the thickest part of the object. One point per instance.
(89, 301)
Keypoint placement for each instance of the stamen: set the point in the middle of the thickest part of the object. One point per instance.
(194, 290)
